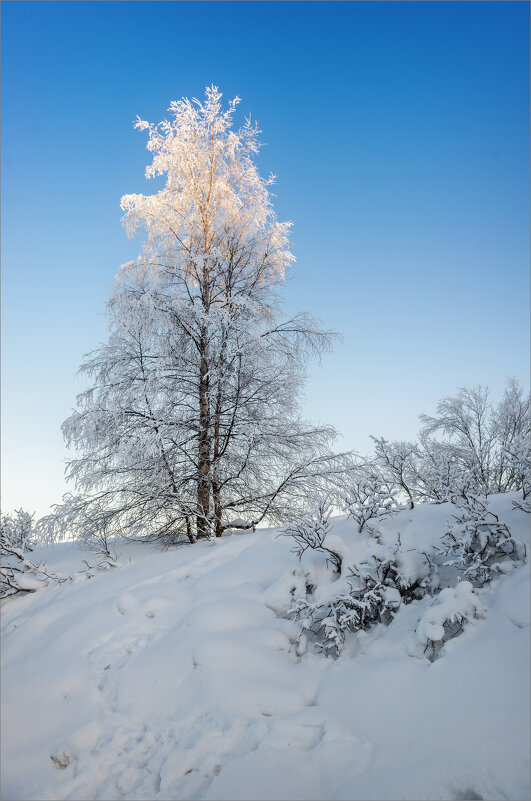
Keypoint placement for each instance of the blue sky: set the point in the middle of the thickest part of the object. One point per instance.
(399, 133)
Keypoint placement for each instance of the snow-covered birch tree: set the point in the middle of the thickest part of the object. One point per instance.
(191, 424)
(479, 436)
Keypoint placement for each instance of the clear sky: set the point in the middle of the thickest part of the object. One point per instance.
(399, 133)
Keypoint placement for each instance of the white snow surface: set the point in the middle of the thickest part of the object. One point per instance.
(176, 676)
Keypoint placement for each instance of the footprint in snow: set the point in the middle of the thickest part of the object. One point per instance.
(62, 760)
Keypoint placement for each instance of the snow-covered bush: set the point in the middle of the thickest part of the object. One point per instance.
(93, 525)
(17, 572)
(355, 593)
(398, 463)
(480, 435)
(371, 592)
(310, 533)
(366, 602)
(489, 443)
(479, 544)
(437, 472)
(20, 574)
(511, 422)
(97, 536)
(369, 496)
(486, 449)
(413, 573)
(444, 619)
(17, 529)
(368, 579)
(518, 456)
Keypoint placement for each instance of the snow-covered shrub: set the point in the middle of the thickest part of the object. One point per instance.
(480, 434)
(398, 463)
(444, 619)
(17, 529)
(17, 572)
(360, 593)
(20, 574)
(518, 456)
(92, 524)
(437, 473)
(367, 601)
(310, 533)
(464, 420)
(478, 543)
(369, 497)
(97, 538)
(512, 425)
(413, 573)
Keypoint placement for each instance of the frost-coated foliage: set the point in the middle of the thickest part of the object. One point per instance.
(191, 423)
(481, 546)
(310, 532)
(214, 200)
(369, 496)
(412, 573)
(518, 457)
(396, 460)
(18, 529)
(436, 471)
(488, 443)
(481, 435)
(368, 589)
(93, 524)
(365, 603)
(371, 592)
(19, 574)
(364, 592)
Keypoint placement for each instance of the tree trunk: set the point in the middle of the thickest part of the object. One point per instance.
(204, 481)
(216, 491)
(189, 530)
(217, 504)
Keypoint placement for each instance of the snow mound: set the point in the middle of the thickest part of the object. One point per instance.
(453, 605)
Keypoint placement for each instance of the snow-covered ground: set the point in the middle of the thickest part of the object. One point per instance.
(176, 676)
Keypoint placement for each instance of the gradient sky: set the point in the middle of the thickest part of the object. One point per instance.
(399, 133)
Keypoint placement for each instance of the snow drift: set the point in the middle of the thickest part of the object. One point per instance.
(181, 675)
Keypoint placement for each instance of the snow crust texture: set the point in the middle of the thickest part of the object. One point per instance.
(178, 676)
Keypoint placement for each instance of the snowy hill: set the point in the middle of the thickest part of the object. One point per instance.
(177, 676)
